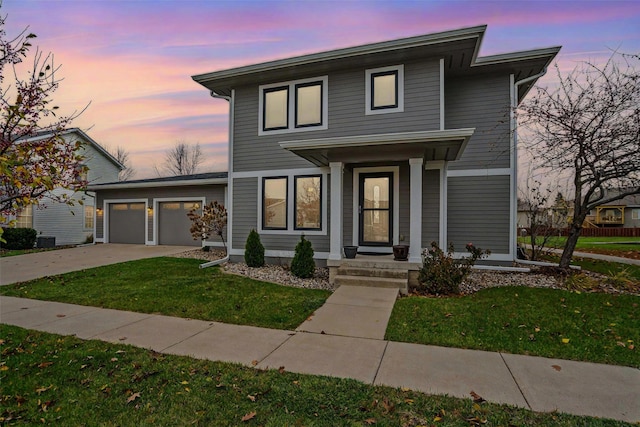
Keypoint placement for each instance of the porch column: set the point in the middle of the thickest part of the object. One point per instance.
(415, 210)
(335, 246)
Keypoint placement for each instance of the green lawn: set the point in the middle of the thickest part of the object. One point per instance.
(592, 327)
(177, 287)
(592, 243)
(63, 380)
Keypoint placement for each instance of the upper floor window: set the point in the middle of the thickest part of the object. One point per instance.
(384, 91)
(294, 106)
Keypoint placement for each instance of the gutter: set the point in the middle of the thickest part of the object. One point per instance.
(216, 95)
(216, 262)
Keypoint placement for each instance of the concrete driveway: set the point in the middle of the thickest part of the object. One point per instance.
(21, 268)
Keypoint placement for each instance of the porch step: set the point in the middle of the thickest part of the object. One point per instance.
(389, 273)
(375, 282)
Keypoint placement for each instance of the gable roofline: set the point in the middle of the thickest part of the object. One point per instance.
(474, 34)
(83, 135)
(366, 49)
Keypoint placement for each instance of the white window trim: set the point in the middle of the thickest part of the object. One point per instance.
(400, 108)
(84, 217)
(292, 106)
(290, 230)
(396, 207)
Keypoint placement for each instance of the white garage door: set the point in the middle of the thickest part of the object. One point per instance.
(127, 222)
(174, 224)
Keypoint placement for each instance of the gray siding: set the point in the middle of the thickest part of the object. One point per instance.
(209, 192)
(480, 102)
(346, 110)
(245, 218)
(245, 209)
(101, 169)
(62, 221)
(430, 207)
(478, 212)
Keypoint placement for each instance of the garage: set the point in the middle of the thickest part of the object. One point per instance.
(174, 224)
(153, 211)
(127, 223)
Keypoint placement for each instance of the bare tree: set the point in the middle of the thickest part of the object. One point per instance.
(541, 219)
(589, 126)
(122, 155)
(35, 156)
(181, 159)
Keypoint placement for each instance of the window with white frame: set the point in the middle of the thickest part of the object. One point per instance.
(293, 204)
(25, 217)
(384, 90)
(88, 217)
(274, 203)
(308, 202)
(293, 106)
(635, 213)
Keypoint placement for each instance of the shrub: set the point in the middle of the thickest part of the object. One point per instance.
(303, 265)
(253, 250)
(441, 274)
(19, 238)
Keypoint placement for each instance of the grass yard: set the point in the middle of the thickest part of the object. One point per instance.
(54, 379)
(177, 287)
(592, 327)
(605, 245)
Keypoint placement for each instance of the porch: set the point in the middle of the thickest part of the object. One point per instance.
(374, 271)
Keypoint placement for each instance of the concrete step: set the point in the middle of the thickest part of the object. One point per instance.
(373, 272)
(376, 282)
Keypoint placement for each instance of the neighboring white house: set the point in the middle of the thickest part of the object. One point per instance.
(73, 224)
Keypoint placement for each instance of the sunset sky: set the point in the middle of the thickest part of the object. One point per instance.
(133, 60)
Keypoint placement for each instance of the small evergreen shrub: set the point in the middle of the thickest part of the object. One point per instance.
(254, 250)
(19, 238)
(441, 273)
(303, 265)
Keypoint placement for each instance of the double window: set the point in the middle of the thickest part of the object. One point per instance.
(307, 202)
(293, 106)
(384, 90)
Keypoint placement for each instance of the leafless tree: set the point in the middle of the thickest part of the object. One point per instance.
(589, 125)
(181, 159)
(122, 155)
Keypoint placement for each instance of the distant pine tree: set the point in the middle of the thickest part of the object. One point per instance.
(303, 265)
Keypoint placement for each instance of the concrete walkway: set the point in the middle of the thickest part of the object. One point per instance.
(602, 257)
(535, 383)
(22, 268)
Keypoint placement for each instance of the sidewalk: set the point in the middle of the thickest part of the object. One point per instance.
(535, 383)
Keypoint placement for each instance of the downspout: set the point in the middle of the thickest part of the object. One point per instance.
(514, 179)
(226, 258)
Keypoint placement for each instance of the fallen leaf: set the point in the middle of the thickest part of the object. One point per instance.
(114, 359)
(251, 398)
(556, 367)
(631, 347)
(120, 351)
(476, 397)
(448, 315)
(248, 416)
(370, 421)
(254, 362)
(184, 382)
(4, 368)
(565, 340)
(61, 315)
(122, 338)
(43, 389)
(537, 329)
(405, 389)
(45, 364)
(133, 397)
(281, 369)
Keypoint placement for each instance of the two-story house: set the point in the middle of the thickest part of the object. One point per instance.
(406, 141)
(72, 223)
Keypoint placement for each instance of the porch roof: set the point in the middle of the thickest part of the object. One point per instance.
(445, 145)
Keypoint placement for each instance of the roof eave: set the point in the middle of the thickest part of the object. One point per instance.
(127, 185)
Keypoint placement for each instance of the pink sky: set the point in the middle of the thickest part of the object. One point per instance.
(133, 60)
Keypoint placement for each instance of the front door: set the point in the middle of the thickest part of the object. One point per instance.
(376, 209)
